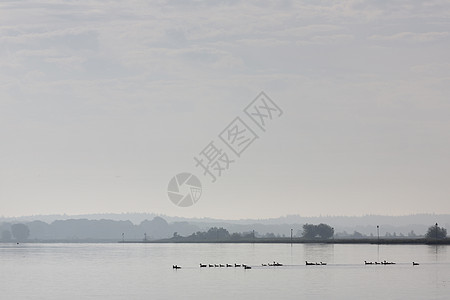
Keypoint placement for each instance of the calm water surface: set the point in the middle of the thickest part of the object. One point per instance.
(144, 271)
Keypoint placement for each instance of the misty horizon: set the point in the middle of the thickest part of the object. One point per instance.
(287, 216)
(160, 226)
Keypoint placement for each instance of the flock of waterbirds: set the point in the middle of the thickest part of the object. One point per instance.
(385, 263)
(235, 265)
(277, 264)
(315, 263)
(379, 263)
(218, 266)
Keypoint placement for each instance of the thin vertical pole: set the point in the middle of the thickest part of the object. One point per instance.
(378, 233)
(378, 242)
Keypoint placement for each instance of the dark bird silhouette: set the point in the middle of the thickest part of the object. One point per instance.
(368, 263)
(323, 263)
(202, 266)
(247, 267)
(228, 265)
(415, 263)
(211, 266)
(176, 267)
(236, 265)
(309, 263)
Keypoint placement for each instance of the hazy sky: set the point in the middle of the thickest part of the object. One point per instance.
(103, 102)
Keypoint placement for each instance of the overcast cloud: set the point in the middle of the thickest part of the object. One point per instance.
(102, 102)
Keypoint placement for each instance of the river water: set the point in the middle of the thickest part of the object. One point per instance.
(144, 271)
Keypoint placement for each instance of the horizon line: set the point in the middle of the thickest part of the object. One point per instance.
(223, 219)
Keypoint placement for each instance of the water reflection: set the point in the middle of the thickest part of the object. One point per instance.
(439, 249)
(319, 252)
(378, 252)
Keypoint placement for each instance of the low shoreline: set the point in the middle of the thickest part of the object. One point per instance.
(381, 241)
(399, 241)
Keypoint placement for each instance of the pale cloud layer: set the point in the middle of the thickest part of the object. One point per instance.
(102, 102)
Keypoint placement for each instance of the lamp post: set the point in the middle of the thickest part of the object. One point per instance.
(378, 233)
(291, 236)
(378, 242)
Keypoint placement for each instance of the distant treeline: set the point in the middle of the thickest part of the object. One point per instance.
(362, 224)
(159, 228)
(98, 230)
(217, 234)
(311, 233)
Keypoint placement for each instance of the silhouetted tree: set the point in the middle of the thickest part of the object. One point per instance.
(323, 231)
(309, 231)
(436, 232)
(212, 234)
(20, 232)
(217, 233)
